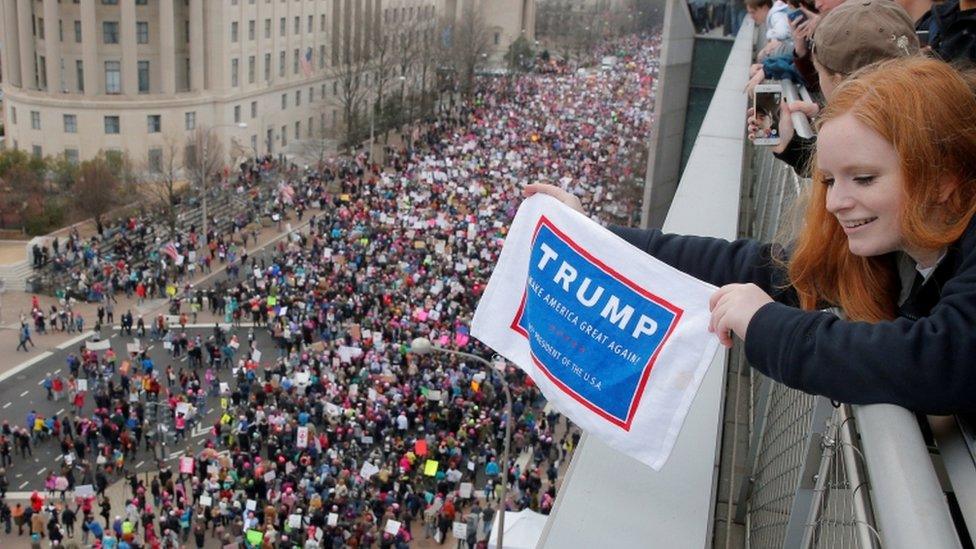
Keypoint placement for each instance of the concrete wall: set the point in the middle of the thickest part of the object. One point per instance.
(670, 108)
(609, 499)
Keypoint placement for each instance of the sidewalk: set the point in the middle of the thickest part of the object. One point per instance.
(12, 304)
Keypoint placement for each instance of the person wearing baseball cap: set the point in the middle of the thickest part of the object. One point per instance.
(852, 36)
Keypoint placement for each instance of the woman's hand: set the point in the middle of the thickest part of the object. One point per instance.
(559, 194)
(733, 307)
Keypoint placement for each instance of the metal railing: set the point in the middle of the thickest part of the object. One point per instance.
(826, 475)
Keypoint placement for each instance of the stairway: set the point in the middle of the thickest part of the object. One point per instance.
(14, 275)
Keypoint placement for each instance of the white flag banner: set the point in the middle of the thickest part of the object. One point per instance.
(615, 339)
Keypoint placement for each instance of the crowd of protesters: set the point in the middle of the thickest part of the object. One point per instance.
(336, 435)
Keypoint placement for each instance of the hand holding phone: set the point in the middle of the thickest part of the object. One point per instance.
(766, 99)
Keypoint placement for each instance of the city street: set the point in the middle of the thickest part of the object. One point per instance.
(23, 392)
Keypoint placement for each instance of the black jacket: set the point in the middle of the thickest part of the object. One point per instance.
(925, 360)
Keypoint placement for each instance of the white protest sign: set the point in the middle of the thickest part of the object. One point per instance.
(256, 355)
(269, 476)
(460, 530)
(588, 316)
(470, 466)
(465, 490)
(302, 437)
(205, 500)
(101, 345)
(368, 470)
(333, 519)
(433, 395)
(392, 527)
(294, 521)
(84, 490)
(251, 505)
(81, 385)
(133, 347)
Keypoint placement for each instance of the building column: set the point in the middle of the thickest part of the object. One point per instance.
(167, 47)
(89, 47)
(11, 43)
(130, 49)
(52, 45)
(27, 59)
(196, 46)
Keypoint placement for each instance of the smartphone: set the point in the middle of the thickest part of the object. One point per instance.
(923, 37)
(765, 103)
(796, 15)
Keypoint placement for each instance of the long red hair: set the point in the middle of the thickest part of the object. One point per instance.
(927, 111)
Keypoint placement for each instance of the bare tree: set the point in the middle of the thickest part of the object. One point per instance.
(203, 158)
(469, 43)
(98, 189)
(322, 140)
(350, 77)
(163, 187)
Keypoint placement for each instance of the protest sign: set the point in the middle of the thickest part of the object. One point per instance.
(205, 500)
(294, 521)
(430, 468)
(588, 317)
(465, 490)
(100, 345)
(420, 447)
(186, 465)
(460, 530)
(333, 519)
(81, 385)
(250, 505)
(392, 527)
(302, 437)
(368, 470)
(269, 476)
(133, 348)
(84, 490)
(255, 537)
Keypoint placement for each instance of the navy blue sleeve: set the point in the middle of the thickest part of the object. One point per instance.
(924, 365)
(716, 261)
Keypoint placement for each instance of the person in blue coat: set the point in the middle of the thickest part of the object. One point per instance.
(889, 238)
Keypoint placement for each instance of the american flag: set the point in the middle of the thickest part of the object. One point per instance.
(170, 250)
(306, 62)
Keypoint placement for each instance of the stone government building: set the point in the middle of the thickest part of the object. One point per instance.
(80, 76)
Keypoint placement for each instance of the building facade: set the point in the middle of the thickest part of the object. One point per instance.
(81, 76)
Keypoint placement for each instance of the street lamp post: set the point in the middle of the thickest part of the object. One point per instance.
(423, 346)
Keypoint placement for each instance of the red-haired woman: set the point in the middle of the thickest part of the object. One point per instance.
(889, 238)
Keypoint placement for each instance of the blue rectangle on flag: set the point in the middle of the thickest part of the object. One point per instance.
(593, 332)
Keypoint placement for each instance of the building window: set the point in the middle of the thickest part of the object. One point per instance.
(80, 74)
(143, 67)
(71, 155)
(298, 25)
(251, 69)
(111, 124)
(284, 135)
(311, 24)
(281, 27)
(310, 123)
(110, 2)
(267, 67)
(113, 77)
(78, 32)
(70, 123)
(267, 28)
(190, 120)
(234, 72)
(322, 56)
(254, 109)
(251, 25)
(237, 114)
(155, 160)
(298, 130)
(281, 63)
(322, 23)
(142, 32)
(295, 62)
(142, 2)
(154, 123)
(38, 152)
(284, 101)
(110, 32)
(298, 98)
(35, 120)
(13, 115)
(311, 94)
(40, 28)
(233, 31)
(498, 38)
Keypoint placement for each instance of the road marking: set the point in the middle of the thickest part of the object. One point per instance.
(7, 405)
(59, 412)
(75, 340)
(41, 382)
(58, 371)
(24, 393)
(24, 365)
(19, 475)
(24, 484)
(138, 465)
(41, 472)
